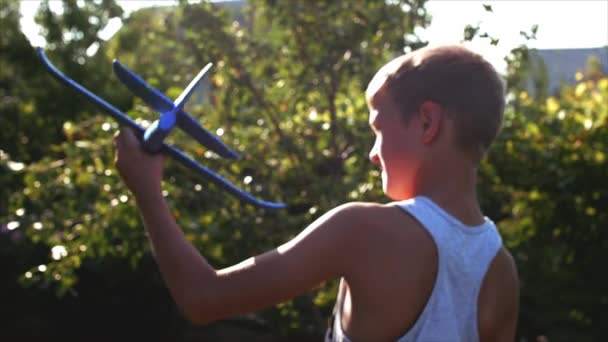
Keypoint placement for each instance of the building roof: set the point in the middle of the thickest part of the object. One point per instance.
(563, 64)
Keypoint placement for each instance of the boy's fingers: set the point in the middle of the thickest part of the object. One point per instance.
(116, 134)
(128, 135)
(125, 136)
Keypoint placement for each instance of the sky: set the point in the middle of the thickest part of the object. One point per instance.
(562, 24)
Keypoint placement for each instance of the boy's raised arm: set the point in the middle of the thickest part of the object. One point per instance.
(204, 294)
(317, 254)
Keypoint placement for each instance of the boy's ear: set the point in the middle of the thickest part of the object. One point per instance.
(431, 116)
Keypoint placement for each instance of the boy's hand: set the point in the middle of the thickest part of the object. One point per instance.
(142, 172)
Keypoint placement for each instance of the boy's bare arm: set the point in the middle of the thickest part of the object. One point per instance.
(324, 250)
(319, 253)
(500, 294)
(184, 270)
(509, 328)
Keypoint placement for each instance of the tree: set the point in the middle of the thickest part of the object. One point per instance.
(287, 92)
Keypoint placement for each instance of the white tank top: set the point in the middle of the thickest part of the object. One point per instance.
(464, 256)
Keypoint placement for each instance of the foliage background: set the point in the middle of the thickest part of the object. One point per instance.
(286, 91)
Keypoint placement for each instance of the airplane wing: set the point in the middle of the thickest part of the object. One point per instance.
(159, 102)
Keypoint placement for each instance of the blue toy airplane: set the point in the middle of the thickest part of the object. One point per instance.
(172, 114)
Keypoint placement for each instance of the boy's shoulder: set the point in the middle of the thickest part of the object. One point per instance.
(366, 208)
(377, 221)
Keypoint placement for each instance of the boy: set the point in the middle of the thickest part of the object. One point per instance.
(427, 267)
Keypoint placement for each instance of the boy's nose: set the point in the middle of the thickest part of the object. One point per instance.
(373, 157)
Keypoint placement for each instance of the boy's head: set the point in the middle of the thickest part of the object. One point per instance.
(453, 98)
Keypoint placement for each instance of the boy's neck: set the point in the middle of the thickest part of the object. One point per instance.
(453, 186)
